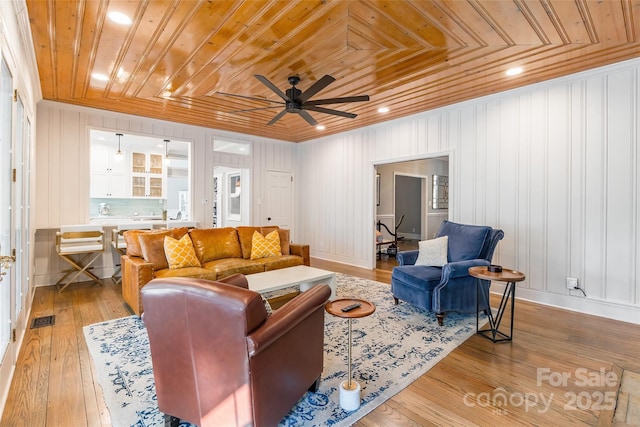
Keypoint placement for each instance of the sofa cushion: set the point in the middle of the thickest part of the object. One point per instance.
(152, 245)
(418, 277)
(245, 235)
(195, 272)
(228, 266)
(283, 261)
(133, 243)
(215, 243)
(265, 246)
(465, 241)
(180, 253)
(433, 252)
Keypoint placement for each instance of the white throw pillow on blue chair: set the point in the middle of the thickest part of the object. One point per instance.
(433, 252)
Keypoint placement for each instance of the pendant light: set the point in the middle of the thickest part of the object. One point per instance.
(119, 154)
(166, 152)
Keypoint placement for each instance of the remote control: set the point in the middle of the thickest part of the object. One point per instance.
(351, 307)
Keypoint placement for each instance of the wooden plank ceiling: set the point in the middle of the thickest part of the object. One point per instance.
(176, 56)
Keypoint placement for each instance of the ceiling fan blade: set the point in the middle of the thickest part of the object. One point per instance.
(277, 117)
(308, 118)
(273, 87)
(325, 81)
(253, 98)
(338, 100)
(255, 109)
(328, 111)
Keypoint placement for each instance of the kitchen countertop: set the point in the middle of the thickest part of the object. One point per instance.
(113, 221)
(108, 219)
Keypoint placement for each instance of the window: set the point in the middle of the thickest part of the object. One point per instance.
(138, 177)
(231, 147)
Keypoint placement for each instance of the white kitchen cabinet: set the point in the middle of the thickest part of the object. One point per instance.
(108, 173)
(148, 174)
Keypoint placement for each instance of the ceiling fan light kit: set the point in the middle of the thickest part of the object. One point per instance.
(296, 101)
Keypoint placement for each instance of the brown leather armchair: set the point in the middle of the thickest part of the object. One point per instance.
(219, 360)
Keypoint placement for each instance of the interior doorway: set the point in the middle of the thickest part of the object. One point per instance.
(405, 212)
(231, 196)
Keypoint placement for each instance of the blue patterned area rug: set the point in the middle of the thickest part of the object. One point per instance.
(391, 349)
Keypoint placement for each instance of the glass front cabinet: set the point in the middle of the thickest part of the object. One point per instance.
(148, 175)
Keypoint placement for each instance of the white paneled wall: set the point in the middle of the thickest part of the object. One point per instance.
(555, 165)
(62, 171)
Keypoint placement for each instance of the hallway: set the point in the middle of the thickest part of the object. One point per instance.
(386, 262)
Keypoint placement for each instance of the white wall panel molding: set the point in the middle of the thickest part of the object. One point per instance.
(598, 307)
(62, 171)
(555, 165)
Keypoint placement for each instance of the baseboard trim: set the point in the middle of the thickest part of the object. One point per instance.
(600, 308)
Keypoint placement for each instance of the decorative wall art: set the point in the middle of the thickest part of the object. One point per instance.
(440, 192)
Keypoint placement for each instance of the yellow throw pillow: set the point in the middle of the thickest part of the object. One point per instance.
(180, 253)
(265, 246)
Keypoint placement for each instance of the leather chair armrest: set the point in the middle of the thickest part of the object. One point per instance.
(136, 273)
(238, 279)
(407, 257)
(288, 317)
(300, 250)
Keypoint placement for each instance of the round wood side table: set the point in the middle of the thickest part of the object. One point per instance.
(349, 390)
(510, 277)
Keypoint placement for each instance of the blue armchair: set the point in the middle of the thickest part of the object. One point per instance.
(450, 287)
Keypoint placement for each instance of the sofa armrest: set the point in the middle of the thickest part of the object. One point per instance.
(300, 250)
(457, 269)
(136, 273)
(239, 280)
(407, 257)
(288, 317)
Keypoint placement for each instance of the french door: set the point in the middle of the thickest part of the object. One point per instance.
(7, 255)
(15, 137)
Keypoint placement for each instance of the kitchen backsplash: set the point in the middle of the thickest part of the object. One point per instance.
(128, 207)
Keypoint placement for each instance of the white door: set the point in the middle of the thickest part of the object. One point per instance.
(7, 255)
(279, 199)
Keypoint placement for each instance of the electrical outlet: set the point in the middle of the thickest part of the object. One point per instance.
(572, 282)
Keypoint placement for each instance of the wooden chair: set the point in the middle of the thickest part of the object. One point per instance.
(87, 242)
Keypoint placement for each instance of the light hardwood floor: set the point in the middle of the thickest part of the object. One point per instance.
(54, 382)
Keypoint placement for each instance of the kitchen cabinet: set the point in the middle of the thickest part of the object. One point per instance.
(148, 174)
(109, 178)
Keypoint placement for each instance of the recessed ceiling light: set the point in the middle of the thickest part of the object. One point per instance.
(119, 18)
(99, 76)
(514, 71)
(320, 127)
(383, 110)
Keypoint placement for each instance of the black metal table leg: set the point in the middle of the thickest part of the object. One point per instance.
(493, 332)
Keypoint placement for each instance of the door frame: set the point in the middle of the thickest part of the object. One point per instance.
(450, 154)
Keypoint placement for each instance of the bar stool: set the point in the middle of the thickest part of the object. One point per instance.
(86, 240)
(120, 245)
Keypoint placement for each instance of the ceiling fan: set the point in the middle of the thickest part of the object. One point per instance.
(296, 101)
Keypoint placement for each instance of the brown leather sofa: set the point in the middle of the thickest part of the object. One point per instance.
(220, 360)
(221, 252)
